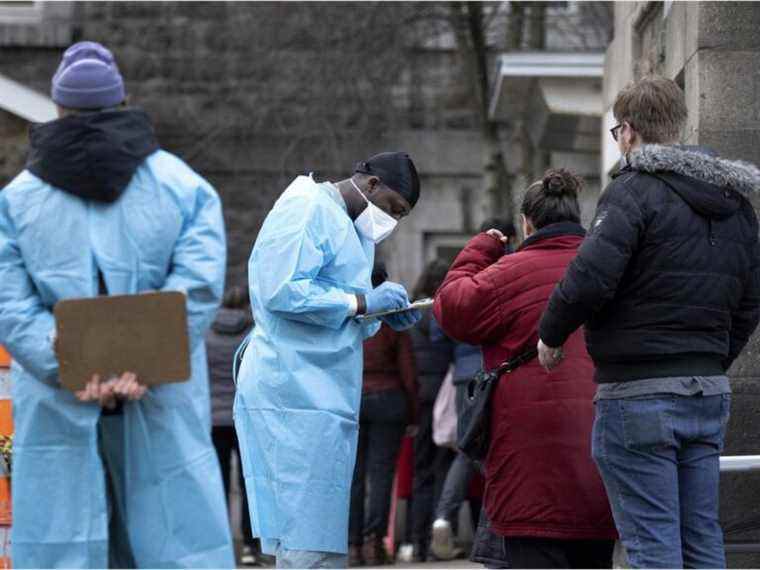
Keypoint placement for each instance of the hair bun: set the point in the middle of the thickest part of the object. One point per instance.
(560, 182)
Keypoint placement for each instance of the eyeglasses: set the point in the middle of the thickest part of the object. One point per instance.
(614, 131)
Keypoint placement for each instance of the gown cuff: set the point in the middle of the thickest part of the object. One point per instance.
(353, 305)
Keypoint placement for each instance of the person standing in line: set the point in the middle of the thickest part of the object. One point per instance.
(667, 284)
(232, 324)
(468, 361)
(543, 493)
(117, 475)
(388, 410)
(299, 388)
(433, 354)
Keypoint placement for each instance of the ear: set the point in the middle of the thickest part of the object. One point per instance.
(527, 227)
(373, 183)
(629, 134)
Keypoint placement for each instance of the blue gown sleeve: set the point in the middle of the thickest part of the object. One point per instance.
(288, 266)
(199, 259)
(27, 326)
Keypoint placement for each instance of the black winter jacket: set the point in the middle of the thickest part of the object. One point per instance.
(228, 330)
(667, 280)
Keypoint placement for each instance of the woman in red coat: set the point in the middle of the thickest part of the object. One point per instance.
(543, 492)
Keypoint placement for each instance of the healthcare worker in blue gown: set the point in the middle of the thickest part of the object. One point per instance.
(117, 475)
(299, 384)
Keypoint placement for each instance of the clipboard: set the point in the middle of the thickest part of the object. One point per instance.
(420, 305)
(145, 334)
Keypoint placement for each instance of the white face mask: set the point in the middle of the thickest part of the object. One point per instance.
(373, 223)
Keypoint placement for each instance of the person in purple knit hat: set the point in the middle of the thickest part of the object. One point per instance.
(117, 475)
(88, 78)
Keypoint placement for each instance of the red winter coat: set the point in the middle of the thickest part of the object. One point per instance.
(540, 478)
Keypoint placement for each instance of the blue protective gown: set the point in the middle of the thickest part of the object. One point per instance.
(299, 386)
(164, 233)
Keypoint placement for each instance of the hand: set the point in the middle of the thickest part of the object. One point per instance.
(386, 297)
(108, 399)
(125, 387)
(496, 234)
(412, 431)
(402, 321)
(128, 388)
(549, 357)
(91, 390)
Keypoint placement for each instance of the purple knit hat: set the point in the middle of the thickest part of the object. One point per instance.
(88, 78)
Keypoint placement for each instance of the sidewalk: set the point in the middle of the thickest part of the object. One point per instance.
(446, 564)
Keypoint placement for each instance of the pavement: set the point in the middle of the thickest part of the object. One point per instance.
(430, 565)
(462, 563)
(411, 565)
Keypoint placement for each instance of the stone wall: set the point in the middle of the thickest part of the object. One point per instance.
(251, 95)
(13, 136)
(712, 49)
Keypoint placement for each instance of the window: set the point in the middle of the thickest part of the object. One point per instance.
(35, 24)
(20, 12)
(562, 8)
(443, 245)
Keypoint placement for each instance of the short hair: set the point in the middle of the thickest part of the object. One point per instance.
(654, 106)
(553, 199)
(431, 279)
(506, 227)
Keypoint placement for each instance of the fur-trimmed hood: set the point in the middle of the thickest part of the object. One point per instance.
(699, 163)
(711, 185)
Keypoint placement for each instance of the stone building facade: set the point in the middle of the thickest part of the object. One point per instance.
(221, 82)
(712, 50)
(251, 95)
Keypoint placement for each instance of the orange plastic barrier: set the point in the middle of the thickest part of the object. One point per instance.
(6, 430)
(6, 412)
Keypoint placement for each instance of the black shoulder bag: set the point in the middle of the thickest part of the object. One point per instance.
(474, 420)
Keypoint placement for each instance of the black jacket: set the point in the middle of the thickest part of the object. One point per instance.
(667, 280)
(222, 341)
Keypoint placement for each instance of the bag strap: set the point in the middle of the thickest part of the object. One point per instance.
(514, 363)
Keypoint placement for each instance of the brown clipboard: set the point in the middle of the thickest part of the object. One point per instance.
(145, 334)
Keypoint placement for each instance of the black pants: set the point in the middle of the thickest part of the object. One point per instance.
(552, 553)
(382, 423)
(111, 447)
(226, 443)
(431, 463)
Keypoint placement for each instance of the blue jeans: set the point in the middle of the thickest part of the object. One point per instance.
(659, 459)
(456, 486)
